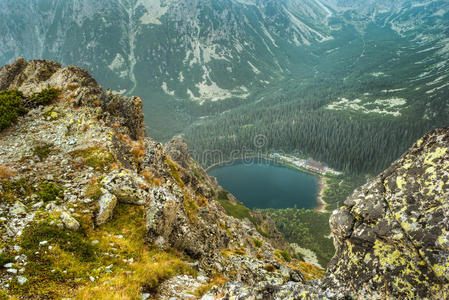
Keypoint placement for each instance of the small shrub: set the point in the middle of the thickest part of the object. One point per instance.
(174, 172)
(311, 271)
(257, 243)
(284, 255)
(11, 107)
(202, 201)
(94, 192)
(197, 173)
(138, 150)
(43, 150)
(49, 191)
(149, 178)
(51, 114)
(190, 208)
(72, 86)
(223, 195)
(5, 258)
(6, 172)
(46, 96)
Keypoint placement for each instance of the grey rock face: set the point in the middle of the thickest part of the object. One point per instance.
(69, 221)
(178, 151)
(391, 235)
(107, 203)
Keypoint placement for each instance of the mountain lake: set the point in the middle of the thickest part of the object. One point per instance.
(259, 183)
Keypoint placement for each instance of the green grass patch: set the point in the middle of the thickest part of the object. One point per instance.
(238, 210)
(98, 158)
(257, 243)
(57, 267)
(5, 258)
(70, 241)
(223, 194)
(49, 191)
(197, 173)
(174, 172)
(94, 192)
(191, 209)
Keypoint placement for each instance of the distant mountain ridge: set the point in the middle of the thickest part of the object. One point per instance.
(192, 60)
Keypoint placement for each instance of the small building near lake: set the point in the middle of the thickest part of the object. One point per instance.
(316, 165)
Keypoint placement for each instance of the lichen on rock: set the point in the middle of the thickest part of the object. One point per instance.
(391, 235)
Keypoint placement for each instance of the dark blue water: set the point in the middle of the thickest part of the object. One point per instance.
(263, 184)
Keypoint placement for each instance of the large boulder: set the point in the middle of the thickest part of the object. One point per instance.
(127, 186)
(106, 203)
(392, 235)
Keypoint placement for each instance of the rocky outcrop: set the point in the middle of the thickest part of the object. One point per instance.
(178, 151)
(126, 111)
(79, 87)
(127, 186)
(391, 235)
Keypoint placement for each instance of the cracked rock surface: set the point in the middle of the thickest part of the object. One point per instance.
(392, 235)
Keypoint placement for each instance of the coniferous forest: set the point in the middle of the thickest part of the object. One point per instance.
(300, 123)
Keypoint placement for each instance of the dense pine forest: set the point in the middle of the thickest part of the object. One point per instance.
(300, 123)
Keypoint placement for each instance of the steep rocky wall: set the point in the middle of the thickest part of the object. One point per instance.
(392, 235)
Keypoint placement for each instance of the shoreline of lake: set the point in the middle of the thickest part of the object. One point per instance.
(321, 203)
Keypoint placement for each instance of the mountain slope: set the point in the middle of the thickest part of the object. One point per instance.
(190, 61)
